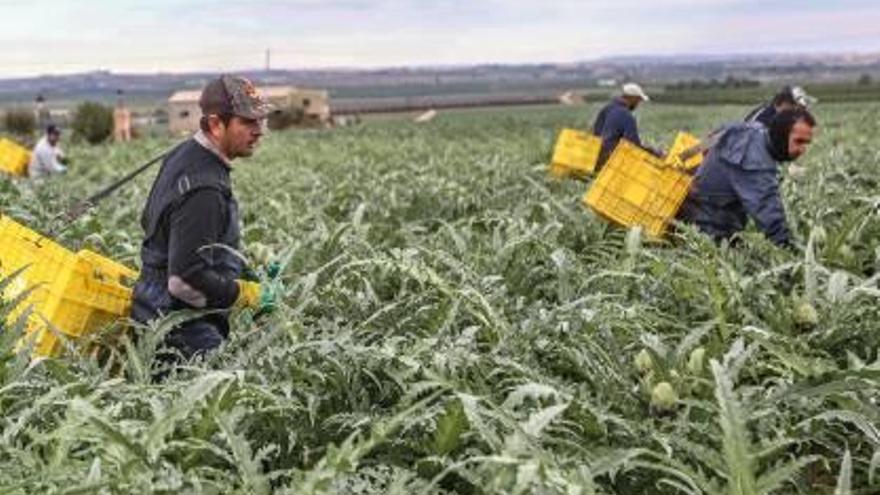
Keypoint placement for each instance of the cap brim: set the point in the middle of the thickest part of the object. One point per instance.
(642, 96)
(638, 94)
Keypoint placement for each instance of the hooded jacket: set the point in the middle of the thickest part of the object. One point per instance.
(738, 180)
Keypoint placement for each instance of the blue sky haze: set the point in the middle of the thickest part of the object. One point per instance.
(54, 36)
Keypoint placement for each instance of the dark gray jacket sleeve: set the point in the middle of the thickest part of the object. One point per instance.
(196, 223)
(758, 190)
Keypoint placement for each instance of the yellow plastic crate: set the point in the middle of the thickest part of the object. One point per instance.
(576, 153)
(635, 188)
(559, 171)
(684, 142)
(74, 293)
(14, 158)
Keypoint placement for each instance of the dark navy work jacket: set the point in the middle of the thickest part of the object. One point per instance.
(762, 114)
(739, 179)
(615, 121)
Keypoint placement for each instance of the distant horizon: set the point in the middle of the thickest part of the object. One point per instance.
(50, 37)
(717, 57)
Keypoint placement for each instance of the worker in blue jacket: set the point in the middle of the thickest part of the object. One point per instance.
(739, 178)
(616, 121)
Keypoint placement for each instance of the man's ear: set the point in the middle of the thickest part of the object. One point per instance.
(215, 122)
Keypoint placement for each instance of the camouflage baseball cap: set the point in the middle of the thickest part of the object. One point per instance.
(233, 95)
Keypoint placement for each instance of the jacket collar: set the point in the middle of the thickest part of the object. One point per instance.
(619, 101)
(201, 138)
(776, 150)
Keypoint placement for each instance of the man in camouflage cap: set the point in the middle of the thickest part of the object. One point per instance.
(191, 223)
(235, 103)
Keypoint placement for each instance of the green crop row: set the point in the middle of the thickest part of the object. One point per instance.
(454, 321)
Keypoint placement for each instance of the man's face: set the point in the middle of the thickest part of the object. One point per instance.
(632, 101)
(53, 138)
(239, 137)
(799, 139)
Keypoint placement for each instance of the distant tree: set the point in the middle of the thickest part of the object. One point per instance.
(20, 122)
(160, 116)
(92, 122)
(865, 80)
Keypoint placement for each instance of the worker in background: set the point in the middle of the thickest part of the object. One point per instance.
(47, 158)
(616, 121)
(788, 98)
(739, 178)
(191, 223)
(42, 115)
(121, 120)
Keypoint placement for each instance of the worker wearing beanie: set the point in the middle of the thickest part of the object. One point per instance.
(788, 98)
(739, 178)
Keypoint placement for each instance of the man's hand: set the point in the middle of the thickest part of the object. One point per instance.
(261, 296)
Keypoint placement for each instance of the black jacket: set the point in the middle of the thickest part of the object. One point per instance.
(191, 229)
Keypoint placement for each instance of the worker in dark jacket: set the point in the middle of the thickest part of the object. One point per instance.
(616, 121)
(739, 177)
(191, 223)
(788, 98)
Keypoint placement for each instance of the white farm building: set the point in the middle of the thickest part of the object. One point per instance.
(184, 112)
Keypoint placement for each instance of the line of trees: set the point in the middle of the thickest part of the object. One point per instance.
(92, 122)
(729, 82)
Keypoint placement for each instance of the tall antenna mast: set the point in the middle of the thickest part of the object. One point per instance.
(268, 59)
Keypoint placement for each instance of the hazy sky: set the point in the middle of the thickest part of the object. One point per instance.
(54, 36)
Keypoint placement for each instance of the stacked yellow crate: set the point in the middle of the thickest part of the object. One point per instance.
(14, 158)
(636, 188)
(575, 154)
(685, 153)
(71, 293)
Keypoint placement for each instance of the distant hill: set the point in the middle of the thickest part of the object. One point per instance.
(404, 82)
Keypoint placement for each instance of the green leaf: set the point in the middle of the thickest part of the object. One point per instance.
(737, 449)
(450, 427)
(844, 479)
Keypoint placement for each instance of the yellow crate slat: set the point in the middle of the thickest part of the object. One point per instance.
(683, 142)
(635, 188)
(14, 158)
(558, 171)
(575, 153)
(74, 293)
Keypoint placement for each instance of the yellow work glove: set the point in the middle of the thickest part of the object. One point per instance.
(262, 297)
(248, 294)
